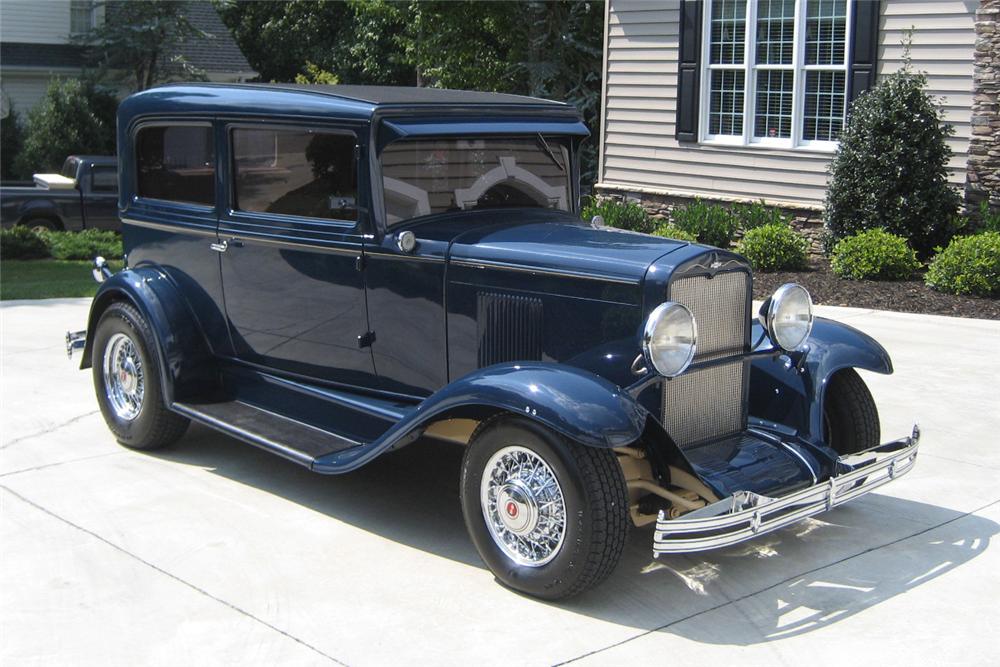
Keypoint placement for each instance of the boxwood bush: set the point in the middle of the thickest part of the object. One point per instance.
(774, 247)
(623, 215)
(86, 244)
(709, 223)
(757, 214)
(969, 265)
(876, 255)
(672, 231)
(22, 243)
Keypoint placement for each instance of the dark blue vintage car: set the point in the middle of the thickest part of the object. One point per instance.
(331, 273)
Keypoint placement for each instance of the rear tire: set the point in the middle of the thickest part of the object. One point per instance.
(850, 417)
(559, 510)
(127, 381)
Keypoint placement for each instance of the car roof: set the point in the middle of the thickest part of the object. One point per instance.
(412, 96)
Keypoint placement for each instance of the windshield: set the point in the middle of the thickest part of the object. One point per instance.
(422, 177)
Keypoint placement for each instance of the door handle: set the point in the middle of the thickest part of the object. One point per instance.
(225, 245)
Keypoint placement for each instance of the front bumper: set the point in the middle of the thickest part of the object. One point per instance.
(746, 515)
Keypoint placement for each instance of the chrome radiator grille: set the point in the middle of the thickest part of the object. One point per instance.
(703, 405)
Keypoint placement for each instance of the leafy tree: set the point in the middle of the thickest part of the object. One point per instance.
(73, 117)
(11, 139)
(142, 38)
(890, 170)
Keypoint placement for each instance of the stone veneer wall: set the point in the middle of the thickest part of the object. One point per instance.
(983, 167)
(809, 222)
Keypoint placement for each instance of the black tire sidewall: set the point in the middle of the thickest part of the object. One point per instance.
(119, 318)
(559, 575)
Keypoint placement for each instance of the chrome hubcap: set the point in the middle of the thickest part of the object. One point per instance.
(523, 506)
(123, 377)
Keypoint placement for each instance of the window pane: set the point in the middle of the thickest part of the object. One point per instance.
(729, 18)
(104, 179)
(424, 177)
(773, 116)
(775, 32)
(824, 108)
(725, 112)
(826, 32)
(81, 16)
(295, 172)
(176, 163)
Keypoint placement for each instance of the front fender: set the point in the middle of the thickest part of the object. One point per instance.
(790, 389)
(580, 405)
(182, 355)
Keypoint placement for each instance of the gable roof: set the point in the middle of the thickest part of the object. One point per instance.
(218, 53)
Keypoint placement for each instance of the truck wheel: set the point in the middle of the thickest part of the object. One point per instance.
(127, 381)
(548, 516)
(41, 225)
(850, 418)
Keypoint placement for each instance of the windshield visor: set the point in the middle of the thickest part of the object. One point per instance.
(424, 177)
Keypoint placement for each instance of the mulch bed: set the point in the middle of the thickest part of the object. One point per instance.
(907, 296)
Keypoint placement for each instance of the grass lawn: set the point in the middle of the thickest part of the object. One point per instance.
(47, 278)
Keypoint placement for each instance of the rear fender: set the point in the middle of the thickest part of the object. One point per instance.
(183, 357)
(789, 389)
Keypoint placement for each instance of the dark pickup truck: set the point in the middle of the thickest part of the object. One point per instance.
(84, 195)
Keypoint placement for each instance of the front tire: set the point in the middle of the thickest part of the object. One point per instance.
(850, 417)
(127, 381)
(549, 517)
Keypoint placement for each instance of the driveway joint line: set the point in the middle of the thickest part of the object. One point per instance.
(747, 596)
(50, 429)
(44, 466)
(184, 582)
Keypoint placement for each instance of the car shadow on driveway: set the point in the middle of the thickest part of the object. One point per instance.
(790, 582)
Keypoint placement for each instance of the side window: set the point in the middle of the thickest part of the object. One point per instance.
(299, 172)
(176, 163)
(104, 179)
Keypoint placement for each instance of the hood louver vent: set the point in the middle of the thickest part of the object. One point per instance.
(510, 328)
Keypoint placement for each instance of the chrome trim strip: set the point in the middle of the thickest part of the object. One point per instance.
(355, 249)
(745, 515)
(177, 228)
(482, 264)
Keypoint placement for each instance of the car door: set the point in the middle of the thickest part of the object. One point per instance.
(100, 198)
(292, 252)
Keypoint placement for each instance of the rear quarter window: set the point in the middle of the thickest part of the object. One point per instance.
(176, 163)
(104, 179)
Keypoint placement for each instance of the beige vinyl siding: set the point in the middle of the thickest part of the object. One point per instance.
(34, 21)
(639, 150)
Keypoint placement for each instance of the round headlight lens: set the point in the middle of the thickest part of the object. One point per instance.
(668, 341)
(790, 316)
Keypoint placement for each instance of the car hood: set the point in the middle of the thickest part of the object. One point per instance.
(559, 243)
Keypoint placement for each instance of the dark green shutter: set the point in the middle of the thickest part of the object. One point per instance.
(688, 71)
(863, 49)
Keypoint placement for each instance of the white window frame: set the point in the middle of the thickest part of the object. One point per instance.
(93, 15)
(749, 67)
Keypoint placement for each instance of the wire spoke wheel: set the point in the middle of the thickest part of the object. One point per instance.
(124, 377)
(523, 506)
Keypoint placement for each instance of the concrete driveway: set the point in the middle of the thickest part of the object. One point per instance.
(213, 552)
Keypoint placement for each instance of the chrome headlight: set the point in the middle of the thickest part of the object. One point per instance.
(788, 316)
(668, 340)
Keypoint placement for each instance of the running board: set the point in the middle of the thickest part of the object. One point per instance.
(285, 437)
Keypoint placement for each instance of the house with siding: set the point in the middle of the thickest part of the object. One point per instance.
(742, 100)
(37, 44)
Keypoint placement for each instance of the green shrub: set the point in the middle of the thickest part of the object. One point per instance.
(876, 255)
(890, 169)
(21, 242)
(87, 244)
(969, 265)
(623, 215)
(774, 247)
(758, 214)
(72, 118)
(672, 231)
(11, 140)
(989, 220)
(709, 223)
